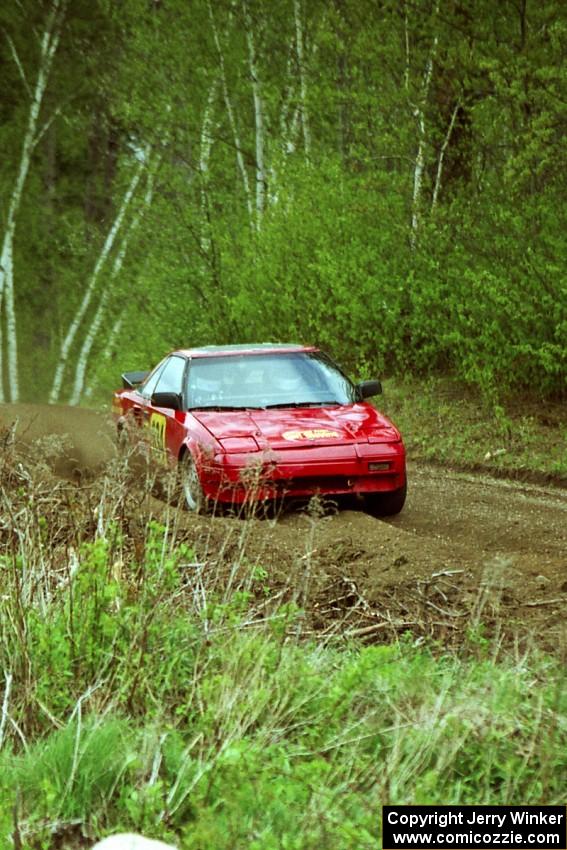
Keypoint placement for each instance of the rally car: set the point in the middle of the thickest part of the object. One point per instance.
(259, 422)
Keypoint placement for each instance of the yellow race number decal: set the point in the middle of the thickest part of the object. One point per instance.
(157, 426)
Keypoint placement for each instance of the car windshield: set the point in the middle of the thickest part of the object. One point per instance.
(302, 379)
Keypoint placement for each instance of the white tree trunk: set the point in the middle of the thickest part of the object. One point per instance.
(302, 78)
(106, 352)
(93, 330)
(232, 120)
(407, 48)
(49, 44)
(204, 160)
(444, 146)
(288, 93)
(418, 175)
(420, 155)
(90, 288)
(84, 354)
(261, 177)
(206, 129)
(290, 140)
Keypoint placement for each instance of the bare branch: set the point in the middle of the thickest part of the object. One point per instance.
(47, 124)
(442, 156)
(19, 66)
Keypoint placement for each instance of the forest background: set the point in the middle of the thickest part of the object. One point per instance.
(385, 179)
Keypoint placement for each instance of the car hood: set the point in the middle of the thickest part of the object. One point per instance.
(301, 427)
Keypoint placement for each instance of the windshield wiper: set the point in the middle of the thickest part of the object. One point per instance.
(223, 407)
(301, 404)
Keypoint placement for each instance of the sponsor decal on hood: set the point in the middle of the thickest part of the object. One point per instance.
(311, 434)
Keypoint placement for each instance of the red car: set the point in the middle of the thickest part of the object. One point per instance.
(255, 422)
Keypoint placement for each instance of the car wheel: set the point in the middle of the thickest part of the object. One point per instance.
(386, 504)
(192, 494)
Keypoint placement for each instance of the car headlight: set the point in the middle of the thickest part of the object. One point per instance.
(239, 445)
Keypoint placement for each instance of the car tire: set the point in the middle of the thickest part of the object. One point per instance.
(191, 490)
(386, 504)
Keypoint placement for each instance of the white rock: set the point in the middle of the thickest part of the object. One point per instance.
(129, 841)
(495, 453)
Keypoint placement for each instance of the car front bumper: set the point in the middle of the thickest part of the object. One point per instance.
(325, 470)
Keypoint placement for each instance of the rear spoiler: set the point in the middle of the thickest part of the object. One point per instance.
(130, 380)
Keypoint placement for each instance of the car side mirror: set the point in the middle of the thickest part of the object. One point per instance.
(369, 388)
(172, 401)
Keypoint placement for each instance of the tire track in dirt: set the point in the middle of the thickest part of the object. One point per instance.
(486, 517)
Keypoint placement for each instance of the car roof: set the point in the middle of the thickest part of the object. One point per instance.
(250, 348)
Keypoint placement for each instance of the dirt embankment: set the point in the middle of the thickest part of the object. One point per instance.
(469, 556)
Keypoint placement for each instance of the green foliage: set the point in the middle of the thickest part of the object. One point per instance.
(457, 271)
(97, 628)
(73, 771)
(142, 699)
(297, 746)
(442, 423)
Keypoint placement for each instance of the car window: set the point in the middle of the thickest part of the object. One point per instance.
(264, 380)
(170, 379)
(149, 384)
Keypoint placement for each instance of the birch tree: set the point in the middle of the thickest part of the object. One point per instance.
(286, 145)
(419, 113)
(48, 48)
(232, 117)
(98, 317)
(302, 77)
(90, 288)
(205, 147)
(441, 157)
(260, 136)
(104, 355)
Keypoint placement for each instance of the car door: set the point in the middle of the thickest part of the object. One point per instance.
(135, 404)
(167, 426)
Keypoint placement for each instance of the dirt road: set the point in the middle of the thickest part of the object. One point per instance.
(469, 556)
